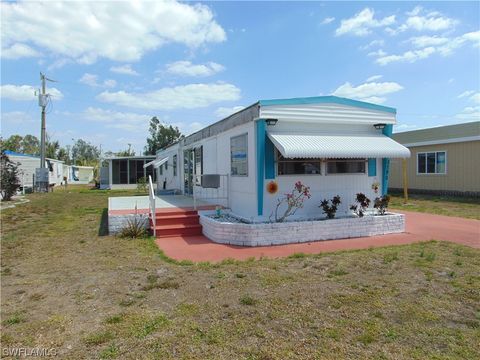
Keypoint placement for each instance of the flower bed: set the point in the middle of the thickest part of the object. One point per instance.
(230, 229)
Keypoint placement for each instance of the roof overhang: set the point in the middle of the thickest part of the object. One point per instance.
(156, 163)
(302, 145)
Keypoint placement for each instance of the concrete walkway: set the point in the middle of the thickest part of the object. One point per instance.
(420, 227)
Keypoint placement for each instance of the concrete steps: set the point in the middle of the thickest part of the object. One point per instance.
(177, 222)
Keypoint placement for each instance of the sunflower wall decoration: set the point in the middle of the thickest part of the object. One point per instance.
(272, 187)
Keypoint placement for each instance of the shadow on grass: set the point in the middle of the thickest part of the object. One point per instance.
(103, 228)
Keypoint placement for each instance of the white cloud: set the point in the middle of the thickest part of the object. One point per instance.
(408, 56)
(475, 98)
(189, 96)
(26, 92)
(466, 93)
(327, 20)
(124, 69)
(432, 21)
(110, 116)
(186, 68)
(92, 80)
(17, 51)
(223, 112)
(374, 77)
(362, 23)
(86, 31)
(370, 91)
(470, 113)
(16, 117)
(424, 41)
(372, 43)
(378, 53)
(443, 47)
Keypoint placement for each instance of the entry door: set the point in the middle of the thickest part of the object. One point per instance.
(188, 159)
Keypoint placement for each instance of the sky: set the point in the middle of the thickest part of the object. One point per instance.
(117, 64)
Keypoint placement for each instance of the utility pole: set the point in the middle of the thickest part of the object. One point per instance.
(43, 104)
(41, 173)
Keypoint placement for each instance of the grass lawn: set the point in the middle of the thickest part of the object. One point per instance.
(441, 205)
(68, 286)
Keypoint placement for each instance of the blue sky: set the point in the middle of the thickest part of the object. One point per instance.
(190, 64)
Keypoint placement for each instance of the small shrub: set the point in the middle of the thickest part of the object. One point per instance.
(9, 181)
(16, 318)
(247, 300)
(381, 204)
(328, 209)
(361, 205)
(142, 184)
(135, 227)
(294, 201)
(114, 319)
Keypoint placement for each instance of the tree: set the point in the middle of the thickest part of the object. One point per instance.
(127, 152)
(13, 143)
(84, 153)
(9, 182)
(63, 154)
(160, 136)
(51, 148)
(30, 145)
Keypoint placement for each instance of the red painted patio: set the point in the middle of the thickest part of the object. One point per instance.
(420, 227)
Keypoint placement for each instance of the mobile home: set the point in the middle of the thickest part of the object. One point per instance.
(123, 172)
(28, 164)
(336, 146)
(444, 160)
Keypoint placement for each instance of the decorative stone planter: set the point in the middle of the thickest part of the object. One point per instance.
(265, 234)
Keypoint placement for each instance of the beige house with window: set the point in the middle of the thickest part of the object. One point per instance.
(444, 160)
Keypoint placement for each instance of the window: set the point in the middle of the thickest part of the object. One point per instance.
(432, 162)
(161, 169)
(298, 166)
(198, 164)
(239, 155)
(346, 166)
(174, 161)
(120, 171)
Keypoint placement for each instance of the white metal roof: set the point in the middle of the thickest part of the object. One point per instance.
(301, 145)
(156, 163)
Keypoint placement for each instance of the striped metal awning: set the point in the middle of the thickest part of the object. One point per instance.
(301, 145)
(156, 163)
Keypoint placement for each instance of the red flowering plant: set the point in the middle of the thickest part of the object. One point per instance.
(293, 201)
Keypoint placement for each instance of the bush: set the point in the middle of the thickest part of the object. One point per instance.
(330, 210)
(361, 205)
(381, 204)
(135, 227)
(9, 182)
(142, 184)
(294, 201)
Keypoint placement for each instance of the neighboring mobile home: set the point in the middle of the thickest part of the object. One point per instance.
(445, 160)
(28, 164)
(336, 146)
(123, 172)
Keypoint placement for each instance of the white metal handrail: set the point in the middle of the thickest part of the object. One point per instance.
(220, 193)
(151, 197)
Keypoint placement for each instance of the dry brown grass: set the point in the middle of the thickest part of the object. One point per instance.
(93, 296)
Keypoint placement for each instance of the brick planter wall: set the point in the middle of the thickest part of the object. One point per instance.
(266, 234)
(117, 222)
